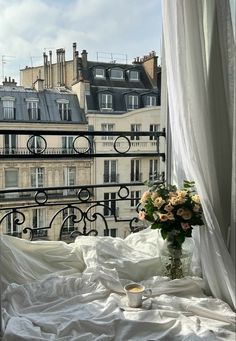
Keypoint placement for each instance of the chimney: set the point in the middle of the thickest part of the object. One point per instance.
(50, 80)
(75, 63)
(39, 84)
(149, 63)
(45, 66)
(9, 82)
(84, 54)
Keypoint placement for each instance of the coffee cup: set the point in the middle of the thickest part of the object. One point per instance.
(135, 293)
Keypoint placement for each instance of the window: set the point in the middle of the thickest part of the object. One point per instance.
(153, 128)
(69, 179)
(99, 73)
(132, 102)
(151, 101)
(35, 144)
(11, 227)
(116, 73)
(8, 108)
(135, 174)
(67, 144)
(135, 128)
(154, 169)
(135, 196)
(38, 220)
(64, 111)
(10, 143)
(11, 178)
(110, 171)
(110, 206)
(110, 232)
(33, 110)
(37, 177)
(69, 224)
(107, 127)
(133, 75)
(106, 102)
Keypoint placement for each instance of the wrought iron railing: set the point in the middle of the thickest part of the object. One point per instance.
(78, 207)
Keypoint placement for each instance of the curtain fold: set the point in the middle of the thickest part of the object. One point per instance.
(198, 42)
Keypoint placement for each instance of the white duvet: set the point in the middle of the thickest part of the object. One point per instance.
(56, 291)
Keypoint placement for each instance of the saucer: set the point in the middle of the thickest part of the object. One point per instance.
(146, 305)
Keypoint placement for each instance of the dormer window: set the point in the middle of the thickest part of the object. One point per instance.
(132, 102)
(99, 73)
(116, 73)
(9, 111)
(151, 101)
(32, 107)
(106, 102)
(63, 108)
(133, 75)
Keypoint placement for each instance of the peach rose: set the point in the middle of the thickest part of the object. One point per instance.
(185, 226)
(187, 215)
(196, 208)
(182, 194)
(141, 215)
(146, 195)
(154, 195)
(168, 208)
(158, 202)
(180, 211)
(163, 217)
(170, 216)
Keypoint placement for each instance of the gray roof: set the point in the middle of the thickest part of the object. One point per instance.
(118, 88)
(47, 104)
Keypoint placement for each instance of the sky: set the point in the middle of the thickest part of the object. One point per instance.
(108, 29)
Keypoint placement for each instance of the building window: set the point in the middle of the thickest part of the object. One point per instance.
(133, 75)
(110, 232)
(151, 101)
(33, 110)
(67, 144)
(106, 102)
(38, 221)
(99, 73)
(64, 111)
(69, 179)
(135, 197)
(107, 127)
(110, 171)
(11, 178)
(135, 174)
(154, 169)
(37, 177)
(35, 144)
(154, 128)
(8, 109)
(69, 224)
(10, 143)
(135, 128)
(116, 73)
(110, 204)
(132, 102)
(11, 227)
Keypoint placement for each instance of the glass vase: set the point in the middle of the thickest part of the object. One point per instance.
(176, 258)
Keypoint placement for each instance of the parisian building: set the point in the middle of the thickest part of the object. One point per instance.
(106, 97)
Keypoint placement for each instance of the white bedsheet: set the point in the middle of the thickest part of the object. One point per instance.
(55, 291)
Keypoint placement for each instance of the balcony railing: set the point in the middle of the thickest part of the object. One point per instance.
(87, 209)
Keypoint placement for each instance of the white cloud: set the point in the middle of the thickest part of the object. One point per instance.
(30, 27)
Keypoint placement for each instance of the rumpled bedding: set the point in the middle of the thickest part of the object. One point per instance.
(71, 292)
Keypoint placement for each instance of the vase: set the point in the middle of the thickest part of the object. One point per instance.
(176, 257)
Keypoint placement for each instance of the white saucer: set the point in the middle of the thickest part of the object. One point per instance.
(146, 305)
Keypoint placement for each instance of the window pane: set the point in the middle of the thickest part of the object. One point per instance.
(11, 178)
(116, 74)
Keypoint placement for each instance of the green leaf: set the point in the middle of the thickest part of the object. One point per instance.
(164, 234)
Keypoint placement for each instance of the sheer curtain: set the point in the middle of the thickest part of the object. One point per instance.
(199, 56)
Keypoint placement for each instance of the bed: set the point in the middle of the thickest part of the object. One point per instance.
(70, 292)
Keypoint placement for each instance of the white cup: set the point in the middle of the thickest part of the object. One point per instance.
(135, 293)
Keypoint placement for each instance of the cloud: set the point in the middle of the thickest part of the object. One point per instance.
(30, 27)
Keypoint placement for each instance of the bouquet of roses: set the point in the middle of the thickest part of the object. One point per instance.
(170, 209)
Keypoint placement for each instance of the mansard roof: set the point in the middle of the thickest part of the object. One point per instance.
(47, 99)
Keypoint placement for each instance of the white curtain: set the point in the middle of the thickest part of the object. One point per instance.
(200, 56)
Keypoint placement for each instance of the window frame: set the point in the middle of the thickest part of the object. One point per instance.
(110, 197)
(149, 100)
(99, 76)
(134, 79)
(37, 175)
(107, 104)
(131, 102)
(114, 69)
